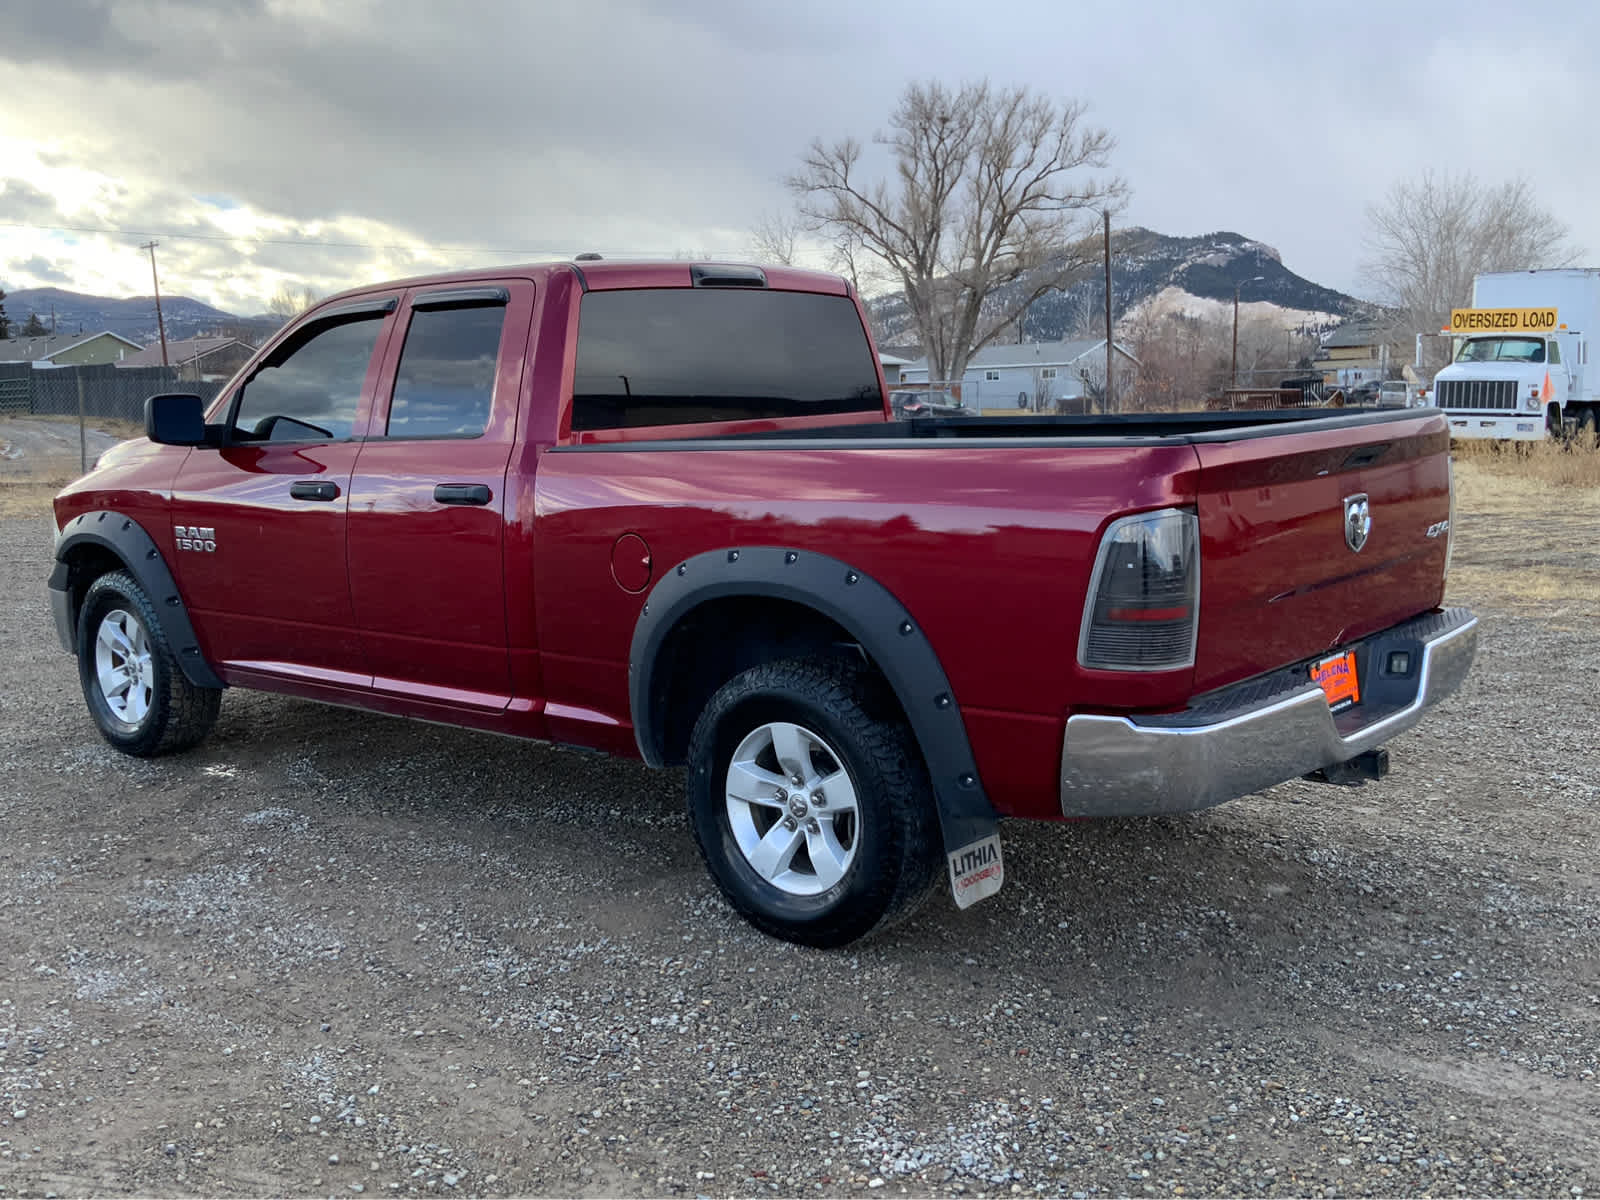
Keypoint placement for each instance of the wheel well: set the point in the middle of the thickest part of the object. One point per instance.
(85, 564)
(722, 638)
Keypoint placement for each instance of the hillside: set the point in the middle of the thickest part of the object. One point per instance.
(133, 317)
(1173, 273)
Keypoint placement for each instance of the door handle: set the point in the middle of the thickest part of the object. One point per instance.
(314, 489)
(461, 493)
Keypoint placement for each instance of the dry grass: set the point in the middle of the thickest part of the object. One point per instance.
(1528, 542)
(29, 498)
(1574, 464)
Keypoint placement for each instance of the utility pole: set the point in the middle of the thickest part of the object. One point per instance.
(1233, 368)
(1106, 214)
(161, 326)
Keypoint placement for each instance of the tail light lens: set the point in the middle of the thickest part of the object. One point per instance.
(1145, 594)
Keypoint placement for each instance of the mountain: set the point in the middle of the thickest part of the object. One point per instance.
(134, 317)
(1190, 274)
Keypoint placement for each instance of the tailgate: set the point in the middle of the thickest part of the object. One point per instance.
(1280, 579)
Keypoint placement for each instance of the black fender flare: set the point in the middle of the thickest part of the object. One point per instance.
(872, 615)
(128, 541)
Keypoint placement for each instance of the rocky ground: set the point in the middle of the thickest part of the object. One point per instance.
(333, 953)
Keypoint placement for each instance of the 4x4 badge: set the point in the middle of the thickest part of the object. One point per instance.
(1357, 521)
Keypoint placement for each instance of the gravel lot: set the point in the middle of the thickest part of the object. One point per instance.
(334, 953)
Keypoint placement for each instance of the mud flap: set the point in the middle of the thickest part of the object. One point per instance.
(976, 870)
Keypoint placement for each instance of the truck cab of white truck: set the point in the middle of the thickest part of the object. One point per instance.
(1510, 386)
(1518, 370)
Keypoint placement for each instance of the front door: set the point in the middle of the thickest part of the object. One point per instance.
(428, 497)
(266, 579)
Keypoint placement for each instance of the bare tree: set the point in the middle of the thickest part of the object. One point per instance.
(1086, 313)
(988, 190)
(1185, 360)
(1429, 237)
(776, 239)
(289, 302)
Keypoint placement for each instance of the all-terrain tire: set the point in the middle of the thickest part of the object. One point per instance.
(864, 849)
(137, 694)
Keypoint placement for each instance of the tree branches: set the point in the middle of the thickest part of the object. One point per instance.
(988, 188)
(1430, 237)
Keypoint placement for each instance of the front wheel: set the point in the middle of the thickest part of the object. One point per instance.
(810, 802)
(136, 692)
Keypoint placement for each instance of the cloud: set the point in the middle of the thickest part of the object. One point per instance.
(39, 271)
(536, 131)
(22, 203)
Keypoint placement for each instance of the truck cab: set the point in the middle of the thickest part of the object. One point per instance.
(1506, 386)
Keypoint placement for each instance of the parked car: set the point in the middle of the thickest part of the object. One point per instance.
(662, 510)
(927, 404)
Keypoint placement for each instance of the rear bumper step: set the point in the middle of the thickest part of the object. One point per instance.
(1264, 731)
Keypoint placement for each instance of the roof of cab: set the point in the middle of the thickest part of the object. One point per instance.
(609, 275)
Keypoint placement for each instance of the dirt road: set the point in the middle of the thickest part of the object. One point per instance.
(333, 953)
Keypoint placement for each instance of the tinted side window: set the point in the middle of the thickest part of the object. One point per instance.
(672, 356)
(311, 388)
(446, 376)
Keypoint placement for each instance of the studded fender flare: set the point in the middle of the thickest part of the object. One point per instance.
(871, 614)
(128, 541)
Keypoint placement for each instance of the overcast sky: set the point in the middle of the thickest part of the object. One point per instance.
(437, 134)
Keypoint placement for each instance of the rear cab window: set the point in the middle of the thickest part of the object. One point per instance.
(653, 358)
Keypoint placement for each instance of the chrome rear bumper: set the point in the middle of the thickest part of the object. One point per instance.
(1260, 732)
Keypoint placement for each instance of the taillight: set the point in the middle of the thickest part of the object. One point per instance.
(1145, 594)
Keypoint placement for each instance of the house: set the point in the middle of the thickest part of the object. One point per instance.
(892, 365)
(1360, 351)
(68, 349)
(196, 358)
(1035, 376)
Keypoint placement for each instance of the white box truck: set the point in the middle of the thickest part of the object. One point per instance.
(1519, 368)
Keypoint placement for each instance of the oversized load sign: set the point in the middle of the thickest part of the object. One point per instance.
(1502, 320)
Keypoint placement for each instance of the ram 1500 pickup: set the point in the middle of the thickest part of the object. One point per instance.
(663, 510)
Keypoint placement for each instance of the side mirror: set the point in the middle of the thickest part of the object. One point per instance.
(175, 419)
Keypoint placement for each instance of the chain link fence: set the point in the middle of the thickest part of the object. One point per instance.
(106, 391)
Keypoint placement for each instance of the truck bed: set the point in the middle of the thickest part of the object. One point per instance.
(1093, 429)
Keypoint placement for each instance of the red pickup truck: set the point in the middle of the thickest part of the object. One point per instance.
(662, 509)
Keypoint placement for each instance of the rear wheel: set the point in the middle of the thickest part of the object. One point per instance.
(1587, 425)
(810, 802)
(136, 692)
